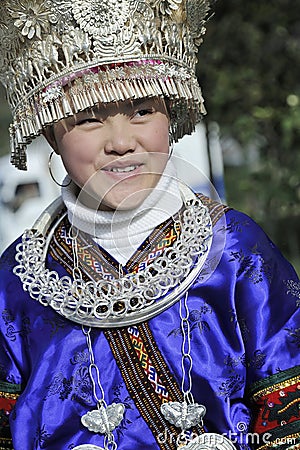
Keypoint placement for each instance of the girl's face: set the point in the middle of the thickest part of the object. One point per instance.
(114, 152)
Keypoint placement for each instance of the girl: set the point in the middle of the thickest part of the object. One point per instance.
(135, 314)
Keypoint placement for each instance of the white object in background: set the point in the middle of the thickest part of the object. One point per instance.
(24, 194)
(199, 161)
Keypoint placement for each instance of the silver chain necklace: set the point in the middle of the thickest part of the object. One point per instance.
(175, 270)
(184, 415)
(129, 299)
(105, 418)
(188, 413)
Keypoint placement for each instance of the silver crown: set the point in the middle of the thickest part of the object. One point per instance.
(103, 51)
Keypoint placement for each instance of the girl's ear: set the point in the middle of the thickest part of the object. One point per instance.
(50, 137)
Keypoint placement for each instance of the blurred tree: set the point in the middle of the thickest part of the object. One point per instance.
(249, 67)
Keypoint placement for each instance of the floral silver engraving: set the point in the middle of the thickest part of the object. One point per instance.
(103, 17)
(167, 6)
(105, 419)
(183, 415)
(31, 17)
(129, 299)
(196, 11)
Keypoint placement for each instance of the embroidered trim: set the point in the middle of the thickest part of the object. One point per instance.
(216, 209)
(94, 261)
(163, 236)
(277, 401)
(9, 394)
(10, 388)
(289, 440)
(6, 444)
(274, 382)
(140, 387)
(147, 364)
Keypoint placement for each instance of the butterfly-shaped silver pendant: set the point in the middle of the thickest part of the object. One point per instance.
(104, 420)
(209, 441)
(183, 415)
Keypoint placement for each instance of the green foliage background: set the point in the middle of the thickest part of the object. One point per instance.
(249, 68)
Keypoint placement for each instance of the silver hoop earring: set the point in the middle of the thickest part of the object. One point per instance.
(171, 143)
(51, 173)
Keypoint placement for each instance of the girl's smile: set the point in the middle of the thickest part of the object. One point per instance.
(114, 152)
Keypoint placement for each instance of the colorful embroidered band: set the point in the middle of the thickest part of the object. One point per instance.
(277, 399)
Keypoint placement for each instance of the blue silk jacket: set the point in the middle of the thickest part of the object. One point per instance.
(245, 339)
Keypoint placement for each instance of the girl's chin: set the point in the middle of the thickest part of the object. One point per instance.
(123, 202)
(112, 201)
(101, 193)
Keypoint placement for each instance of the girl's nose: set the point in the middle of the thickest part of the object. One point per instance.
(120, 138)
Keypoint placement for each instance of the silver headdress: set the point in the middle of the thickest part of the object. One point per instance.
(102, 51)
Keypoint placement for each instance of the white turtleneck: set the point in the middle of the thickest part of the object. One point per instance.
(120, 233)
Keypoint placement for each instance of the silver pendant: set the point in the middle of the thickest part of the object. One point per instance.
(104, 419)
(88, 447)
(209, 441)
(183, 415)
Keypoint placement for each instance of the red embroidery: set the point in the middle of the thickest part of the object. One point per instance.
(278, 408)
(6, 406)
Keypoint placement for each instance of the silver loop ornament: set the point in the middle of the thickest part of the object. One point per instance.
(129, 300)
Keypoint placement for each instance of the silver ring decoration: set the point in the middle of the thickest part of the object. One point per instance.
(51, 173)
(130, 299)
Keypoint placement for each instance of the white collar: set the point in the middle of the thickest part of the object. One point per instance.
(120, 233)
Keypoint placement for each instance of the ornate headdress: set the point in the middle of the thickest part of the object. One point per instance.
(103, 51)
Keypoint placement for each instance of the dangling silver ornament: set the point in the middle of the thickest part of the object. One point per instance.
(183, 415)
(209, 441)
(104, 419)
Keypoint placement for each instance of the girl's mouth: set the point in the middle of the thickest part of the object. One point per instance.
(126, 169)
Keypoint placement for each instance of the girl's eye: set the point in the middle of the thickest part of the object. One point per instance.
(143, 112)
(87, 120)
